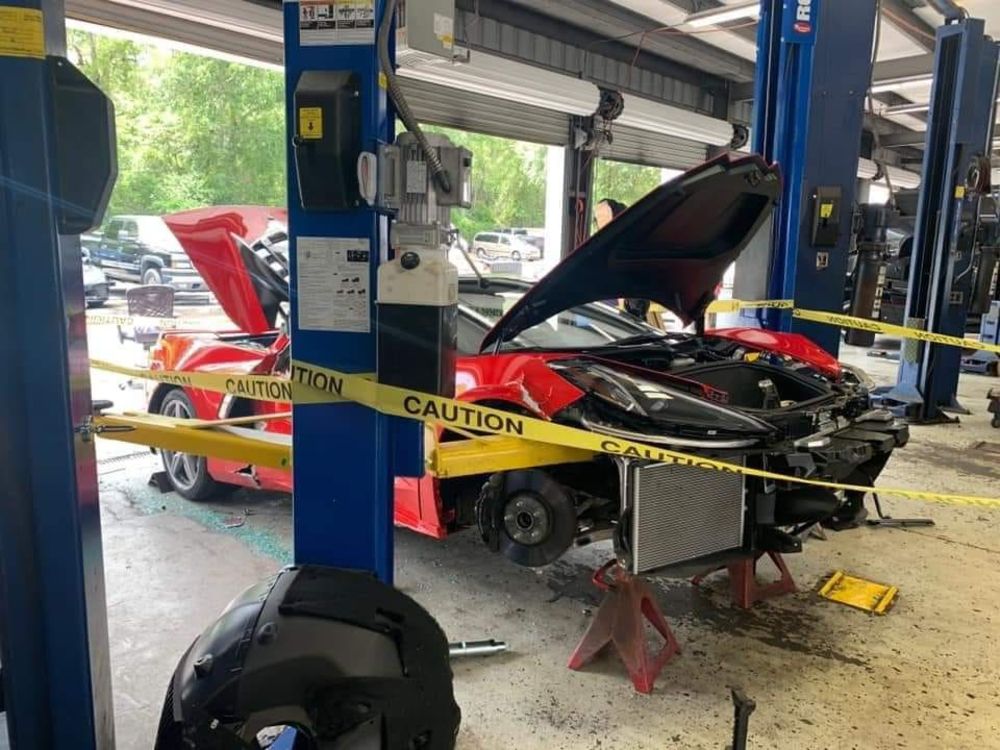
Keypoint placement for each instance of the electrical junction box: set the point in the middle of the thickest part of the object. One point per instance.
(425, 31)
(826, 216)
(327, 140)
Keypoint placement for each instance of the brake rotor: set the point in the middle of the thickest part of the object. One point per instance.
(536, 519)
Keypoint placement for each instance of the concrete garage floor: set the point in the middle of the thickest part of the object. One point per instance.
(823, 675)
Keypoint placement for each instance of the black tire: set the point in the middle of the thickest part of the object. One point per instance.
(480, 252)
(515, 255)
(152, 277)
(527, 516)
(188, 475)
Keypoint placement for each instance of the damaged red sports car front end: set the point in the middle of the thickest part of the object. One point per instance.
(552, 350)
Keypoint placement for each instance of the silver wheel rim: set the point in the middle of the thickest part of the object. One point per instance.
(182, 468)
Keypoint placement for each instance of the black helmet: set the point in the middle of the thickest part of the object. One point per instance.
(346, 660)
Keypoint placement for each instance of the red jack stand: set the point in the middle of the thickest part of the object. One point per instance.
(619, 621)
(743, 580)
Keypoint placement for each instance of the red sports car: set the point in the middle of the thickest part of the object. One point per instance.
(553, 350)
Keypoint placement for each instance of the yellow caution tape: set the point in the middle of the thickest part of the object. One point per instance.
(313, 384)
(863, 324)
(849, 321)
(105, 319)
(735, 305)
(255, 387)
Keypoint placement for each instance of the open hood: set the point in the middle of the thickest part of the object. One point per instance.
(209, 236)
(671, 247)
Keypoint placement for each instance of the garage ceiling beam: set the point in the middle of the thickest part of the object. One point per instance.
(530, 37)
(697, 6)
(900, 14)
(607, 21)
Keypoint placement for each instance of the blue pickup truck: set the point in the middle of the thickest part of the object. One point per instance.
(143, 250)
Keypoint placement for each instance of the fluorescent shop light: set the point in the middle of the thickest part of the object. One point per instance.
(655, 117)
(723, 14)
(903, 82)
(901, 178)
(506, 79)
(906, 109)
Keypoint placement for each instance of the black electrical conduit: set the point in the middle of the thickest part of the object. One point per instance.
(949, 9)
(438, 171)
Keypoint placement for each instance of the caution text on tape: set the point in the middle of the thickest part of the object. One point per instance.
(313, 384)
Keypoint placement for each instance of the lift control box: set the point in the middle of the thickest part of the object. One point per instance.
(826, 216)
(327, 140)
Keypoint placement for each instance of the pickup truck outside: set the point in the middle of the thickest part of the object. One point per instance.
(143, 250)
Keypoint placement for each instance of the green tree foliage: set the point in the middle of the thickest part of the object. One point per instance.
(508, 183)
(623, 182)
(192, 130)
(195, 131)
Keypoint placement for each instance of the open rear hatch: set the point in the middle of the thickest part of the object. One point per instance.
(216, 240)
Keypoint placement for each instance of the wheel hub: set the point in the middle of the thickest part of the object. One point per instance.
(526, 519)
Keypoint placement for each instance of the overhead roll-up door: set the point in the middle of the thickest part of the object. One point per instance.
(653, 149)
(438, 105)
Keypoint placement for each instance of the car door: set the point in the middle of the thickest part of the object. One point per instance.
(503, 246)
(130, 248)
(483, 244)
(105, 250)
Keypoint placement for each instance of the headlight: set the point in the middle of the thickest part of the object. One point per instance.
(859, 375)
(602, 383)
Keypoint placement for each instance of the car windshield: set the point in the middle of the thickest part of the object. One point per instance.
(154, 231)
(582, 327)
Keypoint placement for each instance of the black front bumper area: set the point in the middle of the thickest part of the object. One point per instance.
(97, 292)
(844, 451)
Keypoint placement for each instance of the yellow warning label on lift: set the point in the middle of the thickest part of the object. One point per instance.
(960, 191)
(825, 210)
(21, 32)
(311, 123)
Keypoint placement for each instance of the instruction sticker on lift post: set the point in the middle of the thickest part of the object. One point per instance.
(339, 22)
(333, 284)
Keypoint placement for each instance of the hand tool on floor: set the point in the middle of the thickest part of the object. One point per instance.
(884, 520)
(476, 648)
(742, 708)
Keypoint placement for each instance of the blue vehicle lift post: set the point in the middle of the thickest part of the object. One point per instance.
(342, 453)
(813, 71)
(959, 138)
(53, 618)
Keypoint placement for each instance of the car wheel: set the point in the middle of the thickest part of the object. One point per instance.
(527, 516)
(480, 252)
(152, 277)
(188, 474)
(515, 256)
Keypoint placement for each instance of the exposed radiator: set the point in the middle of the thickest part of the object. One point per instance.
(680, 513)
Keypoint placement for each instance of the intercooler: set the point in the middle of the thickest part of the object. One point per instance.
(681, 513)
